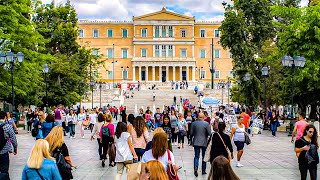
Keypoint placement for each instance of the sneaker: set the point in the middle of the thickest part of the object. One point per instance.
(196, 173)
(103, 164)
(239, 165)
(82, 137)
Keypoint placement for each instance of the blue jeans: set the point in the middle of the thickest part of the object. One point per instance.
(4, 166)
(273, 127)
(139, 152)
(72, 130)
(197, 156)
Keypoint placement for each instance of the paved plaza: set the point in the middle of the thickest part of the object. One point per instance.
(267, 158)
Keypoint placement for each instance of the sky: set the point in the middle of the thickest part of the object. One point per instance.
(209, 10)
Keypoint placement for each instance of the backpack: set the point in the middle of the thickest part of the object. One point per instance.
(106, 135)
(3, 140)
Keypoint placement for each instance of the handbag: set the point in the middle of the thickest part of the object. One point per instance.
(85, 123)
(227, 149)
(183, 132)
(208, 151)
(70, 123)
(112, 152)
(134, 171)
(34, 132)
(171, 170)
(247, 140)
(39, 174)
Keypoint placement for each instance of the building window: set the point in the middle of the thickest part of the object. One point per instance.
(110, 53)
(125, 74)
(202, 74)
(164, 51)
(163, 31)
(95, 52)
(202, 33)
(124, 33)
(216, 53)
(183, 32)
(110, 33)
(143, 52)
(170, 31)
(81, 33)
(202, 53)
(144, 32)
(156, 52)
(156, 31)
(216, 33)
(170, 53)
(110, 74)
(217, 74)
(95, 33)
(183, 52)
(124, 53)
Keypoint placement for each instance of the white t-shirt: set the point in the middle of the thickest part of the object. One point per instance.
(93, 118)
(147, 156)
(123, 152)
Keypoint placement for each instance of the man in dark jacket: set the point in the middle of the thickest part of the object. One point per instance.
(200, 131)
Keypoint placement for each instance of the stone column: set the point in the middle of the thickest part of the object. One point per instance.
(133, 73)
(153, 73)
(180, 73)
(174, 73)
(187, 67)
(160, 73)
(193, 73)
(140, 73)
(147, 73)
(167, 73)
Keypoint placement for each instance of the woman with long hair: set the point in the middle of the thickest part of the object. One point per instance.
(124, 151)
(173, 122)
(221, 170)
(140, 135)
(307, 152)
(40, 163)
(11, 120)
(37, 124)
(96, 131)
(56, 147)
(181, 130)
(153, 170)
(166, 126)
(81, 118)
(237, 133)
(189, 121)
(72, 120)
(107, 138)
(48, 125)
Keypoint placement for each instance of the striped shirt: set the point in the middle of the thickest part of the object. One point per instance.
(10, 136)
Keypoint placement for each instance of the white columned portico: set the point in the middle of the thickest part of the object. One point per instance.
(147, 78)
(160, 73)
(134, 73)
(174, 73)
(139, 73)
(187, 78)
(153, 73)
(180, 73)
(167, 73)
(193, 73)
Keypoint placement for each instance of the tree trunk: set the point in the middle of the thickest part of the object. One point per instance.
(313, 113)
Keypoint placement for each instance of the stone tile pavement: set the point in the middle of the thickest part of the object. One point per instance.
(267, 158)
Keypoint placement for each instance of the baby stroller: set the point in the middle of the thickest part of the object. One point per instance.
(256, 125)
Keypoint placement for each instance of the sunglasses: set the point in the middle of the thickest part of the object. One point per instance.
(311, 132)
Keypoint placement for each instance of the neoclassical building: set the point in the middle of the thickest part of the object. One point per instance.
(156, 47)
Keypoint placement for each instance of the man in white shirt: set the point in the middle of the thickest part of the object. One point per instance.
(93, 119)
(154, 96)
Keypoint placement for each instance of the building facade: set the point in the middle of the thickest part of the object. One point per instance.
(158, 47)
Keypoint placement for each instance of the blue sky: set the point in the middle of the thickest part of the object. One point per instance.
(210, 10)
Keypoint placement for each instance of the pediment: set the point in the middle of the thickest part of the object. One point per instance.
(164, 15)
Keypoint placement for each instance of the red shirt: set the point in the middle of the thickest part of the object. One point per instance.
(111, 109)
(121, 108)
(246, 119)
(208, 120)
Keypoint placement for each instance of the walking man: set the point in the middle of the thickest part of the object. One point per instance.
(299, 127)
(8, 144)
(154, 96)
(200, 131)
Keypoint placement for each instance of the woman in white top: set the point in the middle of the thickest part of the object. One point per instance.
(239, 138)
(159, 151)
(181, 130)
(96, 131)
(72, 120)
(81, 117)
(124, 149)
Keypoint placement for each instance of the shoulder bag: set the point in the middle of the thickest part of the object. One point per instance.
(247, 140)
(208, 151)
(39, 174)
(171, 170)
(227, 149)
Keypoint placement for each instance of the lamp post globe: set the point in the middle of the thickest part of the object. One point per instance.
(265, 71)
(20, 57)
(10, 56)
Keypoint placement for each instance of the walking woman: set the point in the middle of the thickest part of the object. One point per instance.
(274, 123)
(173, 122)
(72, 120)
(140, 135)
(124, 151)
(307, 152)
(107, 137)
(37, 124)
(11, 120)
(237, 133)
(181, 130)
(189, 121)
(221, 170)
(166, 126)
(96, 132)
(47, 126)
(40, 163)
(30, 117)
(81, 118)
(57, 147)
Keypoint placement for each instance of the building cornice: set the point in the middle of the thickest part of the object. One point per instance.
(98, 22)
(207, 23)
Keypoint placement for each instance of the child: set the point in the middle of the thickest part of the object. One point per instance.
(124, 150)
(166, 126)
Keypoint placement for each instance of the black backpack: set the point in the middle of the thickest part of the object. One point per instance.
(3, 140)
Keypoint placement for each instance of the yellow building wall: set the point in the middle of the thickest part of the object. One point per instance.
(138, 34)
(148, 47)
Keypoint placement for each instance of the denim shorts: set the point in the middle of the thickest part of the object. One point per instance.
(239, 145)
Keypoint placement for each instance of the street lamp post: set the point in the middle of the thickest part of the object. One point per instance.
(288, 61)
(265, 72)
(92, 84)
(246, 78)
(12, 59)
(239, 82)
(45, 71)
(100, 85)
